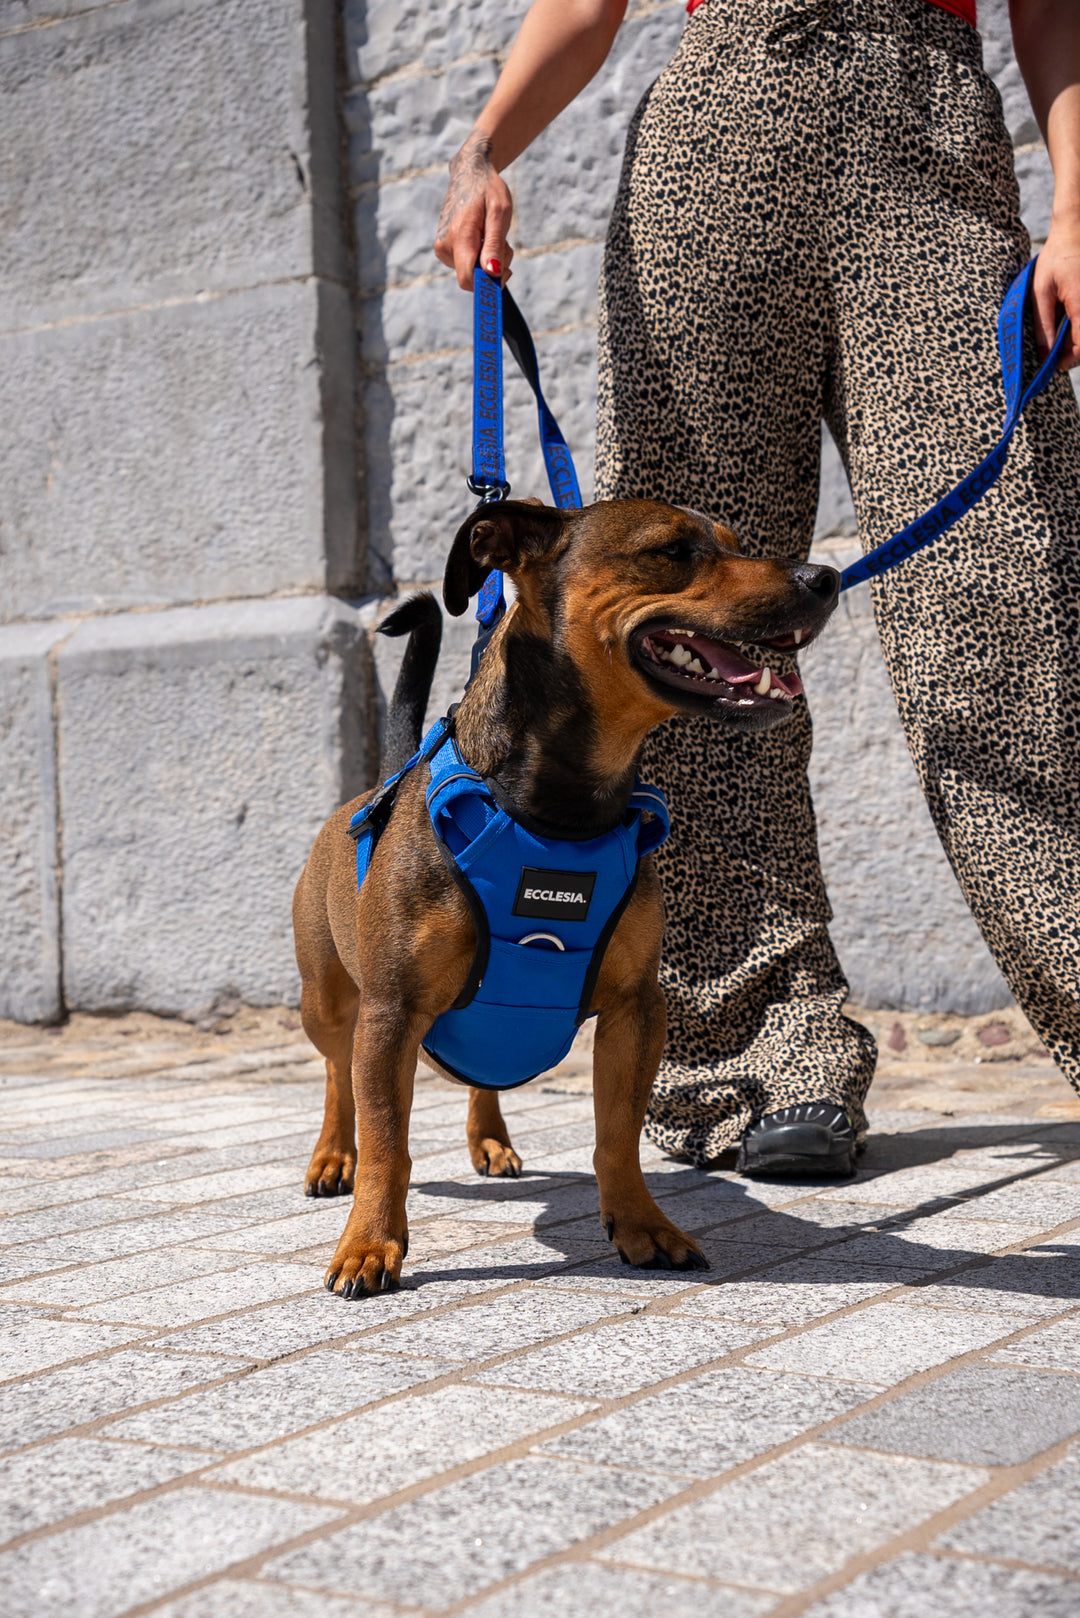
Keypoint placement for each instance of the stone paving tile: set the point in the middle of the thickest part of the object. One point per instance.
(146, 1551)
(1029, 1284)
(911, 1187)
(920, 1586)
(622, 1356)
(711, 1423)
(889, 1250)
(257, 1598)
(225, 1182)
(1044, 1203)
(1055, 1348)
(480, 1330)
(19, 1196)
(54, 1481)
(281, 1328)
(165, 1306)
(319, 1222)
(960, 1236)
(381, 1451)
(790, 1294)
(563, 1203)
(77, 1394)
(75, 1145)
(991, 1415)
(38, 1344)
(118, 1277)
(1038, 1522)
(887, 1342)
(456, 1541)
(591, 1590)
(768, 1528)
(612, 1275)
(501, 1264)
(134, 1235)
(71, 1214)
(277, 1401)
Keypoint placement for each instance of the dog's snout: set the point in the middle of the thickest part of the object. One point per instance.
(821, 581)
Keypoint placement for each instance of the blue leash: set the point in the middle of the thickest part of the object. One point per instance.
(496, 316)
(940, 517)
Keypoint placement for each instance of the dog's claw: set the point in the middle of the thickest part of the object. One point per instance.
(609, 1226)
(659, 1261)
(388, 1283)
(331, 1278)
(694, 1261)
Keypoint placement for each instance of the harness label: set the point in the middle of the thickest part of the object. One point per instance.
(554, 895)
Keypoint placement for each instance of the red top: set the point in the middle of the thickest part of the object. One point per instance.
(959, 8)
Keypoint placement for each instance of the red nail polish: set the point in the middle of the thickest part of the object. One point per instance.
(494, 267)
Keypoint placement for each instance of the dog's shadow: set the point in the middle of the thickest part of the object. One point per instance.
(720, 1211)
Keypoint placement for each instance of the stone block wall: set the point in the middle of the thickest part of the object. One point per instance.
(185, 697)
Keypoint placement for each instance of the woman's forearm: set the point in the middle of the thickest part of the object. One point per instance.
(561, 45)
(1046, 35)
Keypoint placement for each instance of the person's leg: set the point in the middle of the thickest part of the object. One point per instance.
(715, 334)
(981, 631)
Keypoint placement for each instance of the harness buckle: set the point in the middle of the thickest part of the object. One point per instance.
(488, 493)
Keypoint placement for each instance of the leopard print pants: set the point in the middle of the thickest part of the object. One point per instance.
(818, 217)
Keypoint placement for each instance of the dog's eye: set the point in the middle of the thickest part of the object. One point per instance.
(677, 551)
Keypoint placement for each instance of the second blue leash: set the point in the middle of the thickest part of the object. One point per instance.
(970, 490)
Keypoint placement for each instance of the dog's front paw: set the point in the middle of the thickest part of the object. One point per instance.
(650, 1241)
(330, 1172)
(363, 1266)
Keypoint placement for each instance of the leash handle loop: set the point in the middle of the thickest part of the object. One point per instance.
(496, 316)
(970, 490)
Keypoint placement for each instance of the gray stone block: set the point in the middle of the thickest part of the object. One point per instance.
(385, 1450)
(56, 1480)
(278, 1401)
(584, 1590)
(901, 927)
(75, 1394)
(1036, 180)
(257, 1598)
(1029, 1284)
(1055, 1348)
(482, 1330)
(29, 887)
(622, 1357)
(791, 1294)
(211, 456)
(383, 38)
(147, 1551)
(1039, 1522)
(915, 1585)
(163, 150)
(711, 1423)
(888, 1342)
(987, 1415)
(201, 750)
(178, 1303)
(1001, 64)
(771, 1528)
(459, 1539)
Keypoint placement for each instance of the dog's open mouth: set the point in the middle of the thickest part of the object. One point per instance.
(715, 670)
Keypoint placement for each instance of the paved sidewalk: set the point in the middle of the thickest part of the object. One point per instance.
(863, 1411)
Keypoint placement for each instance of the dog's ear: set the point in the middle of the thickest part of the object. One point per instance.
(501, 535)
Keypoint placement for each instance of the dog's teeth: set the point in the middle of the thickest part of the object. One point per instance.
(776, 692)
(694, 666)
(764, 683)
(680, 656)
(798, 637)
(713, 674)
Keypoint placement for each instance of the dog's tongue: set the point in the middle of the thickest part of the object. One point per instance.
(738, 670)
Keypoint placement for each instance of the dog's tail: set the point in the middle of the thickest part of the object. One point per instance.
(420, 618)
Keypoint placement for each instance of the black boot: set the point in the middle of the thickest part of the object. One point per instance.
(815, 1139)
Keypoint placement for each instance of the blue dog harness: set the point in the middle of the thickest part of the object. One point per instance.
(544, 909)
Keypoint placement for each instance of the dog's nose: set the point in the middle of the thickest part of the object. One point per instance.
(823, 582)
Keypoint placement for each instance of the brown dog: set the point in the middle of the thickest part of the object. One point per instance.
(626, 613)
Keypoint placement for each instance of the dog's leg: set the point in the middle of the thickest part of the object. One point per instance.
(375, 1240)
(489, 1141)
(630, 1033)
(328, 1010)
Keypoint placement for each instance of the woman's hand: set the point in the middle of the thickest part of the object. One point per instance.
(475, 214)
(1057, 290)
(560, 46)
